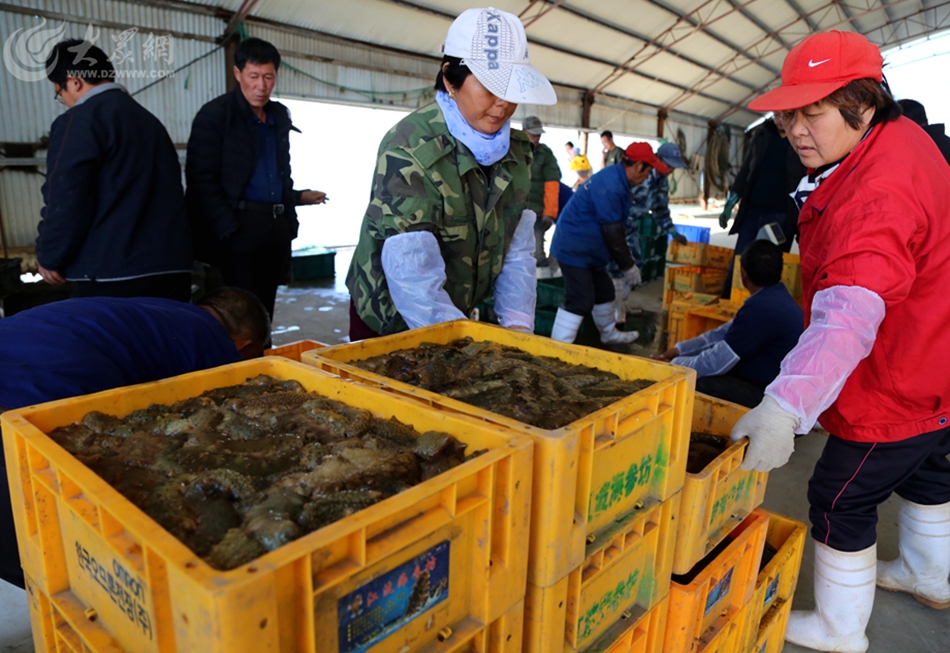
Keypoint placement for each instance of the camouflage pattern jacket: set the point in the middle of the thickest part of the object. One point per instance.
(427, 181)
(543, 168)
(653, 195)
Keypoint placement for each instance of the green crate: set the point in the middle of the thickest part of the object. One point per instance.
(551, 292)
(306, 264)
(647, 225)
(653, 268)
(653, 247)
(544, 317)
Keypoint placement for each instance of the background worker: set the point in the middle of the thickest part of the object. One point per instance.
(650, 197)
(240, 194)
(915, 111)
(448, 224)
(871, 363)
(114, 220)
(770, 172)
(589, 235)
(85, 345)
(739, 359)
(545, 187)
(611, 154)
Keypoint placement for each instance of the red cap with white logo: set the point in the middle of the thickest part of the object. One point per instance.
(819, 66)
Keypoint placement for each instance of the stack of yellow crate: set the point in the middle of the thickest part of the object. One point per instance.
(605, 496)
(720, 599)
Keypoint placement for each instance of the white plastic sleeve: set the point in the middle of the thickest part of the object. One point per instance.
(844, 324)
(717, 359)
(516, 288)
(695, 345)
(415, 274)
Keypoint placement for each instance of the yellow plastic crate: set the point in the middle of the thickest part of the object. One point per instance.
(644, 636)
(62, 625)
(671, 293)
(715, 597)
(588, 474)
(770, 636)
(294, 350)
(701, 254)
(676, 321)
(776, 583)
(728, 639)
(716, 499)
(93, 554)
(628, 575)
(706, 318)
(699, 280)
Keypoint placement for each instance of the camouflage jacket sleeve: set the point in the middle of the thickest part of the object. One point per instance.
(404, 199)
(660, 206)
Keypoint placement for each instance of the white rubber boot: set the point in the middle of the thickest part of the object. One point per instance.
(607, 325)
(924, 564)
(620, 310)
(844, 596)
(566, 326)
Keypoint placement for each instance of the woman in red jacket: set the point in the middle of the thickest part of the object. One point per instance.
(873, 363)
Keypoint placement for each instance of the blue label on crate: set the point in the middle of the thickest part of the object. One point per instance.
(385, 604)
(771, 591)
(720, 590)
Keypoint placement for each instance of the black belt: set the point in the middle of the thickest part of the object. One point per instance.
(262, 207)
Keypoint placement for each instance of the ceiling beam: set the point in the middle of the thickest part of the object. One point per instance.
(741, 103)
(755, 20)
(797, 8)
(543, 12)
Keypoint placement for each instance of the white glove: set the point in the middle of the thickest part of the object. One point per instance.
(631, 279)
(516, 288)
(771, 432)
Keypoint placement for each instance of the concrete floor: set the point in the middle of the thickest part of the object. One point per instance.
(320, 311)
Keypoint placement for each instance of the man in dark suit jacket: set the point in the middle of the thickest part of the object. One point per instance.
(240, 194)
(114, 220)
(915, 111)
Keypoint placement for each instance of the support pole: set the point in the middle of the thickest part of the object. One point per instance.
(586, 104)
(707, 184)
(661, 123)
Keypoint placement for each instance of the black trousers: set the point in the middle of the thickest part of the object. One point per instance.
(586, 287)
(257, 257)
(10, 569)
(731, 388)
(852, 479)
(175, 286)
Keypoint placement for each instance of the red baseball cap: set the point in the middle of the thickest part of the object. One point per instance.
(819, 66)
(643, 152)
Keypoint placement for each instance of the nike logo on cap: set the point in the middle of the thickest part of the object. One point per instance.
(812, 64)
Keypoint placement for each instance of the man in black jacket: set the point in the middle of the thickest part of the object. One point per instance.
(915, 111)
(240, 195)
(114, 219)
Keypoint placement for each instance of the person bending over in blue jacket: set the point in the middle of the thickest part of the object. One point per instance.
(84, 345)
(590, 233)
(739, 359)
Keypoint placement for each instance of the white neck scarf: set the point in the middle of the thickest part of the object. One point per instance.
(487, 148)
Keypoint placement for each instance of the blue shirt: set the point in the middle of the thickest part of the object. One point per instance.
(265, 184)
(764, 330)
(602, 199)
(78, 346)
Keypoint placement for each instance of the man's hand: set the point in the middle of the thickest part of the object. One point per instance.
(52, 277)
(313, 197)
(668, 355)
(731, 200)
(547, 222)
(680, 238)
(771, 432)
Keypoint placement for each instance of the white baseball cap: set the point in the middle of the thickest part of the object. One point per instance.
(493, 45)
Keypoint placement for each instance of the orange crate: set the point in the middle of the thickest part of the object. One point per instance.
(699, 280)
(716, 499)
(701, 254)
(294, 350)
(791, 277)
(590, 474)
(86, 547)
(700, 610)
(728, 639)
(706, 318)
(676, 321)
(61, 624)
(628, 575)
(644, 636)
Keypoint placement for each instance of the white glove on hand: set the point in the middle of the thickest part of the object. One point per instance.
(771, 432)
(631, 279)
